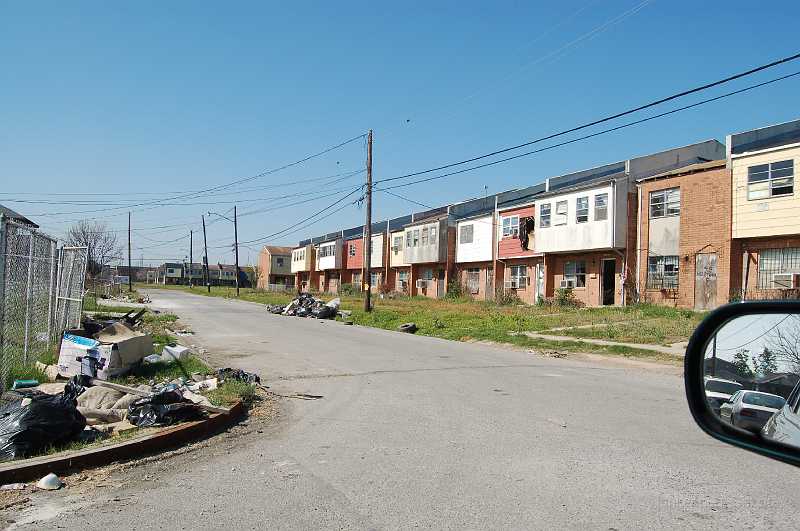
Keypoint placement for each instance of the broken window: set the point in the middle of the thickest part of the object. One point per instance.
(425, 236)
(511, 227)
(770, 180)
(433, 236)
(582, 209)
(664, 203)
(473, 278)
(398, 244)
(544, 215)
(561, 213)
(576, 273)
(601, 207)
(466, 233)
(662, 272)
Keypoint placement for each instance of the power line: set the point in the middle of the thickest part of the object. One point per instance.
(605, 119)
(770, 329)
(585, 137)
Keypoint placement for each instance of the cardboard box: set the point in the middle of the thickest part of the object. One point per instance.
(116, 347)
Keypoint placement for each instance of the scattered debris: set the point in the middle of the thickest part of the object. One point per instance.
(408, 328)
(238, 374)
(553, 354)
(22, 384)
(110, 352)
(14, 486)
(50, 482)
(306, 305)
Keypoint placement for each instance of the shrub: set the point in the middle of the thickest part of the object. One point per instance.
(455, 290)
(565, 298)
(384, 288)
(348, 289)
(506, 298)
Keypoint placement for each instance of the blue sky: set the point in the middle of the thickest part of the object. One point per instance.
(157, 98)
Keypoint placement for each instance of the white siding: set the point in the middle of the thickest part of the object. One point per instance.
(301, 259)
(334, 260)
(396, 254)
(573, 236)
(376, 258)
(480, 249)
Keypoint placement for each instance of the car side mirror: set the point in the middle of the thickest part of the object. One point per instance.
(752, 347)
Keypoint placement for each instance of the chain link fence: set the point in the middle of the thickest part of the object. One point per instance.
(40, 295)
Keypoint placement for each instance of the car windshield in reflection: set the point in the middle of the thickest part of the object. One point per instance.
(763, 399)
(722, 386)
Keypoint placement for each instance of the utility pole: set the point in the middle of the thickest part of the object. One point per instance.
(368, 228)
(205, 259)
(130, 272)
(191, 269)
(236, 247)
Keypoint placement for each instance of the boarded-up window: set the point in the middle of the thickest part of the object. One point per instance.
(662, 272)
(473, 280)
(601, 207)
(466, 233)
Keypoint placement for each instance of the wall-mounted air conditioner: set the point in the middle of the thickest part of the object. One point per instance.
(783, 281)
(512, 284)
(422, 283)
(567, 284)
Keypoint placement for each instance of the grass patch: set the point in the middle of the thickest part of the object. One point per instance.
(90, 304)
(159, 372)
(463, 319)
(231, 391)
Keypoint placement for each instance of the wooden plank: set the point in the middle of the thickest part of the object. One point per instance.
(119, 387)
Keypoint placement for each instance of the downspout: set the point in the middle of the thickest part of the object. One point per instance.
(614, 237)
(638, 240)
(495, 249)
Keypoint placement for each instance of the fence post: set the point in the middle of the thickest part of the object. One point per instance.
(51, 294)
(3, 265)
(28, 288)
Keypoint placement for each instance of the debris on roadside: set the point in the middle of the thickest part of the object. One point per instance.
(50, 482)
(306, 305)
(408, 328)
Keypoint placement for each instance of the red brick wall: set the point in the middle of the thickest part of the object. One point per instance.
(590, 295)
(526, 294)
(750, 248)
(705, 226)
(508, 247)
(484, 272)
(353, 262)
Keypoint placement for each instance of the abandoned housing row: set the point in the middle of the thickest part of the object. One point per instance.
(693, 226)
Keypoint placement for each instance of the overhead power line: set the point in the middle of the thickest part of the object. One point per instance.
(592, 135)
(604, 119)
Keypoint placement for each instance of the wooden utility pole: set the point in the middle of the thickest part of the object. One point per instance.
(130, 272)
(191, 269)
(368, 228)
(205, 258)
(236, 247)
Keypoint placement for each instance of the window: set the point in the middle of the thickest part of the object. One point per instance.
(601, 207)
(427, 274)
(561, 213)
(662, 272)
(398, 244)
(511, 227)
(375, 278)
(327, 250)
(665, 203)
(402, 276)
(519, 276)
(582, 209)
(279, 261)
(465, 233)
(778, 268)
(544, 216)
(170, 271)
(473, 279)
(357, 278)
(409, 236)
(351, 249)
(770, 180)
(425, 236)
(576, 272)
(433, 236)
(300, 255)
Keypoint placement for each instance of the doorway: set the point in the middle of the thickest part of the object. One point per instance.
(608, 280)
(705, 281)
(440, 284)
(539, 294)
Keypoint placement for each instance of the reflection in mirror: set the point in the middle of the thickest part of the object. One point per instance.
(752, 375)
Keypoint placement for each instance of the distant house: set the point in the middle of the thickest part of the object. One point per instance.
(329, 262)
(275, 267)
(430, 251)
(169, 273)
(303, 267)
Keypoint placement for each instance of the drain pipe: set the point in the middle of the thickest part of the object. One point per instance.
(638, 239)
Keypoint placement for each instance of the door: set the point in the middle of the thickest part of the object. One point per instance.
(705, 281)
(440, 284)
(539, 295)
(608, 281)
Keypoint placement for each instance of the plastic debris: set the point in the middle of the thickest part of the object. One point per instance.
(50, 482)
(161, 409)
(238, 374)
(22, 384)
(408, 328)
(152, 358)
(14, 486)
(174, 353)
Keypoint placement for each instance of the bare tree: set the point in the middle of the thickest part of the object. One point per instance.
(101, 243)
(784, 343)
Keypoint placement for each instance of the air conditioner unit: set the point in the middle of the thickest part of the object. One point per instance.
(511, 284)
(422, 284)
(404, 285)
(567, 284)
(783, 281)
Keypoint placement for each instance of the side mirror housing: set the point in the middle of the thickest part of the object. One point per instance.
(752, 347)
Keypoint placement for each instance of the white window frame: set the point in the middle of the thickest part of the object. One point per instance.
(573, 272)
(473, 279)
(544, 215)
(582, 209)
(511, 226)
(351, 249)
(466, 233)
(768, 177)
(562, 213)
(665, 203)
(398, 244)
(601, 207)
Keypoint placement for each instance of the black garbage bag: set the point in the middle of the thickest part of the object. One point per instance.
(238, 374)
(275, 308)
(324, 312)
(162, 409)
(303, 311)
(44, 420)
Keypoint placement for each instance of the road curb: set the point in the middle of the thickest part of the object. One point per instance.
(36, 467)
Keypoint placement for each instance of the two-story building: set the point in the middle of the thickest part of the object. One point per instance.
(397, 269)
(303, 266)
(685, 255)
(193, 274)
(519, 266)
(169, 273)
(275, 268)
(765, 207)
(430, 251)
(474, 232)
(329, 261)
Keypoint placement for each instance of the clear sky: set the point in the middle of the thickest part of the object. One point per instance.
(156, 99)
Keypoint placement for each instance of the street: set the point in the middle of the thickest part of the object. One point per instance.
(421, 432)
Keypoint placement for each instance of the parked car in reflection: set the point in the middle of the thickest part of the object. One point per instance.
(784, 426)
(719, 391)
(750, 410)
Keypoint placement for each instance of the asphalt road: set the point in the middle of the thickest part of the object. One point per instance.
(421, 432)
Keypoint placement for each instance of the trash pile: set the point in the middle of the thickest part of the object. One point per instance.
(306, 305)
